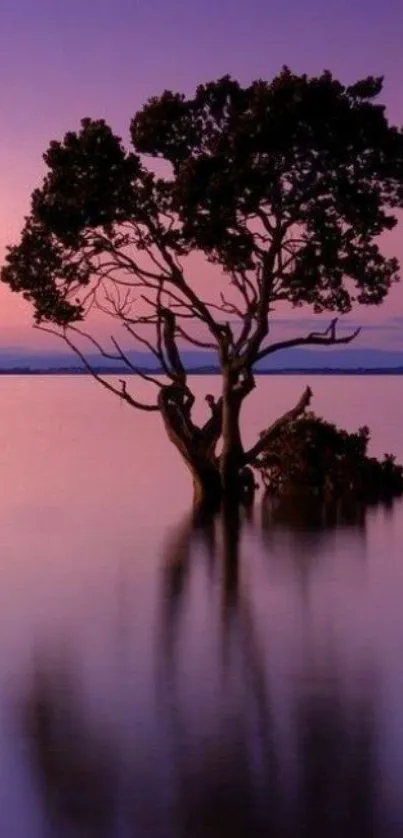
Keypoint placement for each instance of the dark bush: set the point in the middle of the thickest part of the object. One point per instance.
(314, 456)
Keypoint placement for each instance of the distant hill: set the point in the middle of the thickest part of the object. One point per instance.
(294, 359)
(350, 358)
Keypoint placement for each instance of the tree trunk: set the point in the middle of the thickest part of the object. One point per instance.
(196, 449)
(207, 488)
(216, 480)
(232, 451)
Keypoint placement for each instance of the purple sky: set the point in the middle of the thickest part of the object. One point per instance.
(61, 61)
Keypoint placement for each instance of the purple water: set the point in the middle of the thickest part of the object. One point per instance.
(156, 680)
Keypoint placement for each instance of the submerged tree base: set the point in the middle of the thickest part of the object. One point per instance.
(312, 457)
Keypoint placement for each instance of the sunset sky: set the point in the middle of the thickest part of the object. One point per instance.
(61, 61)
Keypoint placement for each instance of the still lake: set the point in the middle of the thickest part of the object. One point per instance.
(149, 689)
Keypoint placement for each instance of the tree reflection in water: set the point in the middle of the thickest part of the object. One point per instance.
(230, 778)
(72, 762)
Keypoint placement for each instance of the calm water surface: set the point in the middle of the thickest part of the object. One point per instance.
(161, 680)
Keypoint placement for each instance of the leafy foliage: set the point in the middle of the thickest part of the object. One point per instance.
(314, 456)
(286, 184)
(304, 155)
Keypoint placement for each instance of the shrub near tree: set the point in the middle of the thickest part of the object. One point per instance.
(313, 457)
(283, 186)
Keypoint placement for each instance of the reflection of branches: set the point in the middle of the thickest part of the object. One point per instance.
(196, 529)
(303, 512)
(230, 771)
(339, 782)
(233, 784)
(72, 762)
(215, 803)
(224, 791)
(299, 533)
(308, 524)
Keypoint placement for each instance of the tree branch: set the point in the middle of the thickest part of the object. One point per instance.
(249, 355)
(122, 393)
(131, 366)
(211, 430)
(326, 338)
(177, 280)
(251, 455)
(190, 339)
(156, 352)
(170, 345)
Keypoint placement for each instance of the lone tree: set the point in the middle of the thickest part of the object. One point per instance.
(285, 186)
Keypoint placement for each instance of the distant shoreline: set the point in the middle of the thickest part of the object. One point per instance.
(203, 371)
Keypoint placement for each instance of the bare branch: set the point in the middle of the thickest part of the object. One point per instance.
(249, 355)
(245, 286)
(168, 319)
(292, 414)
(190, 339)
(122, 393)
(155, 351)
(211, 430)
(171, 297)
(230, 308)
(326, 338)
(268, 226)
(177, 280)
(94, 342)
(131, 366)
(160, 349)
(184, 316)
(124, 261)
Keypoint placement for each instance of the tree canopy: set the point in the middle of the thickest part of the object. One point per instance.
(285, 186)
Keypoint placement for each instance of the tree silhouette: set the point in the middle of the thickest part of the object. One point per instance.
(284, 186)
